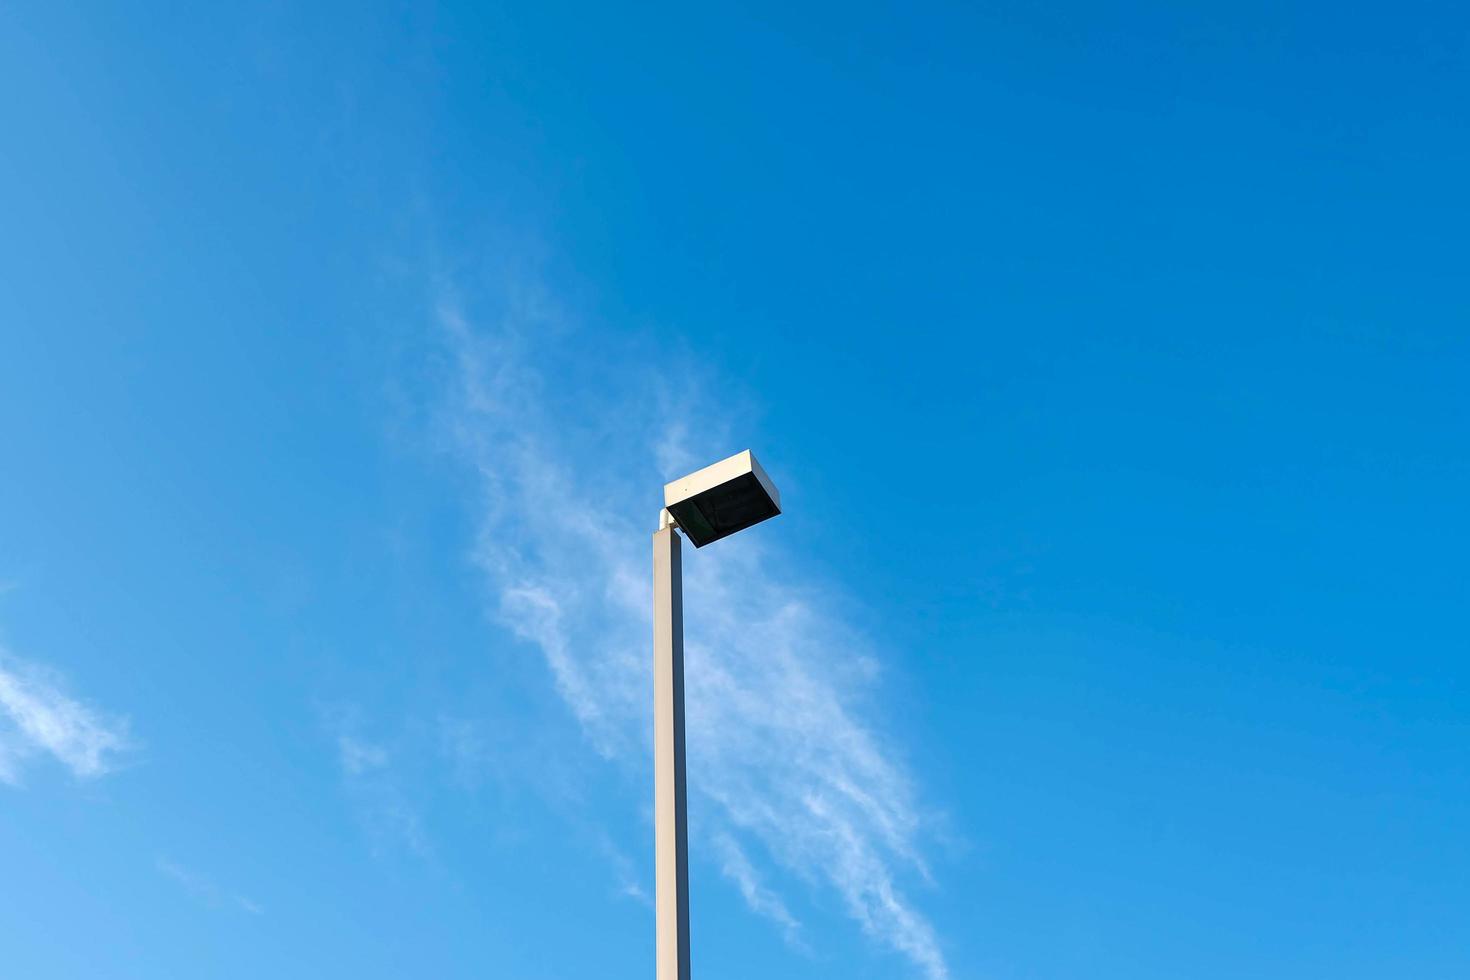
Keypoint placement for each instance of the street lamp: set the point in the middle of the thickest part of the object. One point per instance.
(707, 505)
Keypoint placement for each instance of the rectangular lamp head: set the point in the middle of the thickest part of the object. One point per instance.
(721, 499)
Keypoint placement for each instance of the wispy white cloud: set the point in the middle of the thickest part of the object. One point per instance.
(204, 889)
(629, 882)
(358, 757)
(737, 867)
(37, 718)
(782, 738)
(383, 808)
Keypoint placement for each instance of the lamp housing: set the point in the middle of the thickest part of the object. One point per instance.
(721, 499)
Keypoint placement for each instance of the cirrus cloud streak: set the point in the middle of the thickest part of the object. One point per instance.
(782, 739)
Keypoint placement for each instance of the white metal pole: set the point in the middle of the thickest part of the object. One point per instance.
(670, 826)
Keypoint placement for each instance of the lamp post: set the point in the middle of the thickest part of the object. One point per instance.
(707, 505)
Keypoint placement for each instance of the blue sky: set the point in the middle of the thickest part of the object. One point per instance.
(1111, 360)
